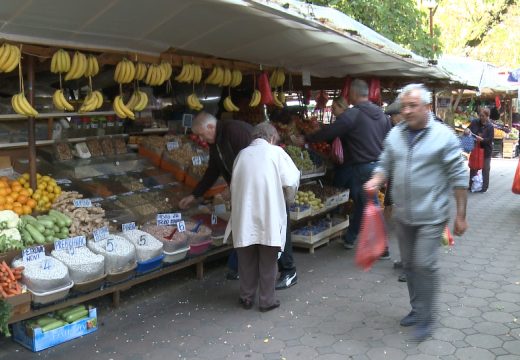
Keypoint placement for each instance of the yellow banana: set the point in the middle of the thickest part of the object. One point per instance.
(134, 99)
(89, 104)
(99, 99)
(198, 73)
(167, 67)
(219, 79)
(92, 66)
(77, 67)
(255, 98)
(281, 97)
(194, 102)
(276, 100)
(227, 77)
(59, 101)
(12, 60)
(22, 106)
(123, 108)
(229, 106)
(143, 101)
(4, 53)
(211, 78)
(181, 77)
(280, 78)
(60, 62)
(140, 71)
(236, 78)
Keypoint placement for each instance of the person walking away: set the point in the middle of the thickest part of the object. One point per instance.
(485, 132)
(262, 173)
(422, 156)
(362, 130)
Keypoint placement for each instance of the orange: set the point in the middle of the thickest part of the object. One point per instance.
(26, 209)
(25, 192)
(14, 195)
(32, 203)
(2, 200)
(22, 199)
(3, 192)
(8, 207)
(16, 204)
(18, 210)
(8, 190)
(2, 184)
(15, 183)
(9, 199)
(4, 178)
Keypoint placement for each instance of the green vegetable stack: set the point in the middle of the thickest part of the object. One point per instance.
(45, 228)
(61, 318)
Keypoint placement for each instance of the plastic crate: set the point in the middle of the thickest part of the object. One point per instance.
(144, 267)
(200, 248)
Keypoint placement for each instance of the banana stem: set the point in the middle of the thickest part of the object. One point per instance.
(61, 85)
(90, 83)
(229, 90)
(20, 77)
(254, 80)
(121, 90)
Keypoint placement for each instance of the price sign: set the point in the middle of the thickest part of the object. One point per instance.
(128, 226)
(181, 226)
(79, 203)
(110, 245)
(71, 251)
(73, 242)
(142, 240)
(172, 145)
(98, 199)
(46, 264)
(100, 234)
(213, 219)
(33, 253)
(63, 181)
(168, 219)
(196, 160)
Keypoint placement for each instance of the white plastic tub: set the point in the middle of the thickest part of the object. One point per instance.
(51, 296)
(178, 255)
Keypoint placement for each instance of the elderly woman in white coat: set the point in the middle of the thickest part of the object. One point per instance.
(264, 178)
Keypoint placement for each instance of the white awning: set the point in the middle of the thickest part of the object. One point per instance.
(323, 41)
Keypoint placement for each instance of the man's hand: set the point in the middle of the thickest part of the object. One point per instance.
(479, 138)
(460, 226)
(187, 202)
(373, 185)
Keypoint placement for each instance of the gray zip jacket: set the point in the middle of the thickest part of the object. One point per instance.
(424, 171)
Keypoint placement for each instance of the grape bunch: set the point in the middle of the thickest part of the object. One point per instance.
(301, 158)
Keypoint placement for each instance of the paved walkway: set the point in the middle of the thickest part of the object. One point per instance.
(335, 312)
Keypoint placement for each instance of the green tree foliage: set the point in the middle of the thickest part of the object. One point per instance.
(399, 20)
(481, 29)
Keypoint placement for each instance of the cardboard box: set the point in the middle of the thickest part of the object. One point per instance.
(37, 340)
(21, 304)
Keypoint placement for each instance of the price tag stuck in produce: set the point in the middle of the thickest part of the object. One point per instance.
(168, 219)
(100, 234)
(172, 145)
(33, 253)
(181, 226)
(85, 203)
(142, 240)
(70, 243)
(196, 160)
(214, 219)
(128, 226)
(46, 264)
(110, 245)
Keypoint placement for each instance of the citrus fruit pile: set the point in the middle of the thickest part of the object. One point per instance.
(16, 197)
(46, 190)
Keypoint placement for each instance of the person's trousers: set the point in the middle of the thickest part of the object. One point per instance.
(286, 260)
(257, 269)
(419, 246)
(361, 174)
(485, 174)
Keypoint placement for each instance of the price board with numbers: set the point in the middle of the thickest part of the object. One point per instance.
(172, 145)
(181, 226)
(168, 219)
(100, 234)
(70, 243)
(79, 203)
(128, 226)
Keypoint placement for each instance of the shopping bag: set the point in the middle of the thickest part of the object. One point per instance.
(337, 151)
(476, 182)
(516, 180)
(447, 238)
(372, 239)
(476, 157)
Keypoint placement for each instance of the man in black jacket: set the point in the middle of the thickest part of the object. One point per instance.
(484, 132)
(226, 138)
(362, 130)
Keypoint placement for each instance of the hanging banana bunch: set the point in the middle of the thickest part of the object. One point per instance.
(77, 67)
(92, 102)
(194, 102)
(60, 62)
(216, 77)
(19, 102)
(60, 102)
(140, 71)
(121, 109)
(138, 101)
(92, 66)
(156, 75)
(10, 56)
(190, 73)
(125, 71)
(277, 78)
(276, 99)
(229, 106)
(255, 98)
(236, 78)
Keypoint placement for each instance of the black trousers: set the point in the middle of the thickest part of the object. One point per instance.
(485, 174)
(286, 261)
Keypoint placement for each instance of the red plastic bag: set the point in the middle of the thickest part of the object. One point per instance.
(372, 240)
(265, 89)
(374, 91)
(497, 102)
(337, 151)
(346, 89)
(476, 157)
(516, 180)
(447, 238)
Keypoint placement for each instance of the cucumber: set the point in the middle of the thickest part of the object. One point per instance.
(45, 320)
(54, 325)
(26, 236)
(48, 232)
(57, 219)
(71, 311)
(56, 229)
(47, 222)
(35, 234)
(64, 232)
(28, 219)
(68, 220)
(49, 238)
(75, 316)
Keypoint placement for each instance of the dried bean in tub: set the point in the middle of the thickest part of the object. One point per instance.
(119, 253)
(44, 275)
(83, 264)
(147, 247)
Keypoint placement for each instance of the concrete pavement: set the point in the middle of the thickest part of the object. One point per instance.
(335, 312)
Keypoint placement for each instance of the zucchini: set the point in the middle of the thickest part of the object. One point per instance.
(44, 320)
(60, 312)
(57, 219)
(35, 234)
(48, 232)
(49, 238)
(56, 229)
(47, 222)
(70, 310)
(54, 325)
(64, 232)
(26, 236)
(68, 220)
(75, 316)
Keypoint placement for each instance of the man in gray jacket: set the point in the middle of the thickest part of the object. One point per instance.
(423, 159)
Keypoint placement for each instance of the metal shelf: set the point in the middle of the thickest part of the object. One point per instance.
(55, 115)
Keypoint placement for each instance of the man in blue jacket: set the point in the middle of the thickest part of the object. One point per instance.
(423, 159)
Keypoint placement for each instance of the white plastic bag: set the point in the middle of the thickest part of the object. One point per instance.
(476, 182)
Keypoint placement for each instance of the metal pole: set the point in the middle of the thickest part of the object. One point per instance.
(431, 29)
(31, 124)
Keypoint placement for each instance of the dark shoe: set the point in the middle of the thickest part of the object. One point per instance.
(483, 191)
(409, 320)
(423, 331)
(286, 281)
(246, 304)
(348, 246)
(385, 255)
(232, 275)
(398, 265)
(401, 277)
(271, 307)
